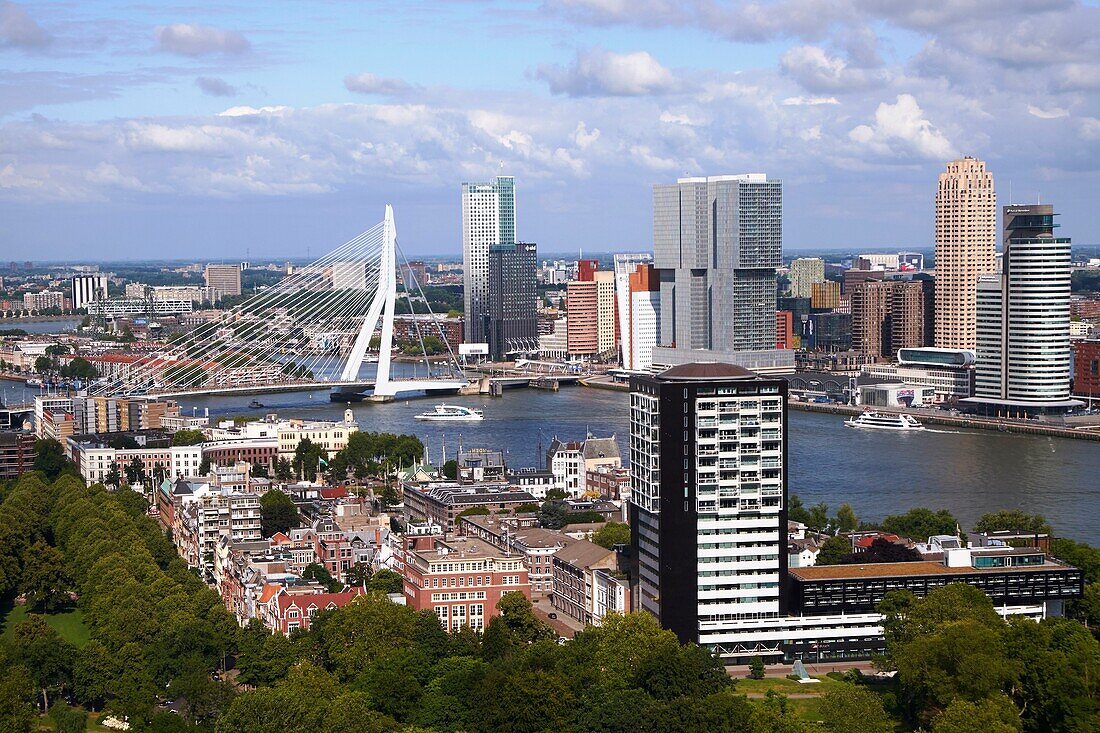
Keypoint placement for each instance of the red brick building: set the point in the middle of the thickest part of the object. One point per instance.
(461, 579)
(784, 330)
(1086, 368)
(287, 610)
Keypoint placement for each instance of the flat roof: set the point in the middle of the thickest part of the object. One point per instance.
(904, 569)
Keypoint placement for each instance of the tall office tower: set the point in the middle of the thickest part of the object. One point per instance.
(966, 247)
(349, 275)
(825, 295)
(871, 318)
(717, 242)
(708, 502)
(226, 279)
(605, 313)
(634, 276)
(88, 288)
(488, 218)
(512, 322)
(1023, 350)
(638, 300)
(805, 271)
(582, 313)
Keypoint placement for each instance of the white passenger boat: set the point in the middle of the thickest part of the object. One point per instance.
(884, 421)
(452, 413)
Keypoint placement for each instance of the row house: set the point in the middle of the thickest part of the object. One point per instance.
(587, 583)
(570, 461)
(460, 579)
(287, 610)
(536, 545)
(202, 514)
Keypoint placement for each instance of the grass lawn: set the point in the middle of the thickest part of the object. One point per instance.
(69, 624)
(754, 688)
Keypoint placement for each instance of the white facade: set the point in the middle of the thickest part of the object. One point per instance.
(645, 329)
(87, 288)
(625, 264)
(488, 218)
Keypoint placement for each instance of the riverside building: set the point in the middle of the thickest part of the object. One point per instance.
(488, 219)
(709, 530)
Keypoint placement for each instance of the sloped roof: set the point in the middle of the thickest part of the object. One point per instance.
(706, 370)
(601, 448)
(583, 553)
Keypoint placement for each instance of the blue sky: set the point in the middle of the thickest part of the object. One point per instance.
(200, 130)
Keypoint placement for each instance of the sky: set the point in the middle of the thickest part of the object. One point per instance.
(140, 130)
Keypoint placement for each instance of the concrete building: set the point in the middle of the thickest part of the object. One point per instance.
(717, 242)
(44, 300)
(1024, 357)
(804, 274)
(966, 245)
(579, 569)
(582, 302)
(606, 327)
(784, 330)
(86, 288)
(888, 315)
(488, 219)
(440, 503)
(510, 321)
(570, 461)
(950, 372)
(226, 279)
(638, 302)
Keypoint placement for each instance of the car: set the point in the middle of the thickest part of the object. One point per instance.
(551, 615)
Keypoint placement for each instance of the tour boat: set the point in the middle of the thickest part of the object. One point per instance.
(451, 413)
(884, 421)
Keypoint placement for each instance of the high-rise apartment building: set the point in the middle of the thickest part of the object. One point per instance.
(966, 247)
(488, 218)
(226, 279)
(511, 321)
(582, 312)
(888, 315)
(871, 318)
(605, 312)
(87, 288)
(638, 300)
(717, 242)
(708, 501)
(1024, 355)
(805, 271)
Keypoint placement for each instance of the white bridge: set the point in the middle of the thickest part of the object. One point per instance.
(312, 329)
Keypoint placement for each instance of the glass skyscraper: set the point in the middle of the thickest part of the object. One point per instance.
(488, 219)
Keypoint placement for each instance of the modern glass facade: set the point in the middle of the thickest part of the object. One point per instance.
(488, 218)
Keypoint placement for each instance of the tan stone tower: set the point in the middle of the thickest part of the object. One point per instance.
(966, 247)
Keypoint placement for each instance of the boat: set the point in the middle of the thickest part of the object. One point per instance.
(452, 413)
(255, 404)
(884, 421)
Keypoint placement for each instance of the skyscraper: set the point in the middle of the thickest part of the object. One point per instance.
(805, 271)
(890, 315)
(87, 288)
(488, 218)
(708, 501)
(966, 247)
(717, 242)
(1024, 355)
(638, 301)
(511, 321)
(226, 279)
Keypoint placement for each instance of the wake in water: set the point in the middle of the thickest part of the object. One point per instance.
(951, 432)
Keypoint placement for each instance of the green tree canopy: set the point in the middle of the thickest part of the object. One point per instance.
(611, 534)
(188, 437)
(834, 551)
(1012, 520)
(277, 513)
(920, 523)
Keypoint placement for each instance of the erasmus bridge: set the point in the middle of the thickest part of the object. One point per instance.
(314, 329)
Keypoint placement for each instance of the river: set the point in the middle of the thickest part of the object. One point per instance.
(967, 471)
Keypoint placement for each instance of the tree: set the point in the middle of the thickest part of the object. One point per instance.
(796, 511)
(49, 458)
(611, 534)
(553, 515)
(188, 437)
(204, 466)
(833, 551)
(277, 513)
(113, 477)
(79, 368)
(516, 610)
(94, 670)
(450, 469)
(882, 550)
(995, 714)
(921, 523)
(16, 693)
(846, 519)
(307, 459)
(45, 582)
(45, 654)
(386, 581)
(44, 365)
(1012, 520)
(68, 719)
(756, 668)
(284, 471)
(316, 571)
(852, 709)
(135, 471)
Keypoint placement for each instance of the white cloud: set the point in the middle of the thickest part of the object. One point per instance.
(187, 39)
(817, 71)
(583, 137)
(1051, 113)
(902, 128)
(18, 29)
(810, 133)
(367, 83)
(599, 72)
(809, 101)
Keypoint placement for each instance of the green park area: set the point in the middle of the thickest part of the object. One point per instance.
(68, 624)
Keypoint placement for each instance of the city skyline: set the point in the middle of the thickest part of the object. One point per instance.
(139, 132)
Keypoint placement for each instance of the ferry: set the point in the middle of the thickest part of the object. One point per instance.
(452, 413)
(884, 421)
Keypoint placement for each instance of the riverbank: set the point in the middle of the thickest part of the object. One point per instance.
(958, 421)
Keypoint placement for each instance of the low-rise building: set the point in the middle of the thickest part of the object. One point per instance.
(570, 461)
(950, 372)
(16, 453)
(460, 579)
(536, 545)
(442, 502)
(587, 582)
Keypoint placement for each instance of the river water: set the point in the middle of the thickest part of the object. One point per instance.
(967, 471)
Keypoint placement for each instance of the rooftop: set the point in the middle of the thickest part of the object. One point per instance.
(706, 370)
(903, 569)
